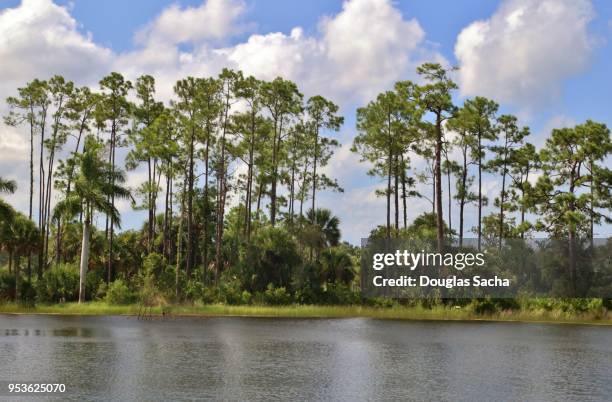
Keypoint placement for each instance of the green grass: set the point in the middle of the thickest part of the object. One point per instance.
(315, 311)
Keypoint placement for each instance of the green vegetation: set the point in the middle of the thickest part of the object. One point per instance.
(232, 169)
(539, 311)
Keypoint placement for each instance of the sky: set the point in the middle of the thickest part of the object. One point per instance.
(547, 61)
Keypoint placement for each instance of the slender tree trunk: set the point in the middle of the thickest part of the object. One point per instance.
(292, 193)
(150, 208)
(41, 197)
(179, 245)
(314, 169)
(31, 185)
(572, 232)
(84, 256)
(189, 255)
(259, 192)
(275, 162)
(396, 192)
(17, 279)
(438, 181)
(165, 250)
(522, 214)
(572, 258)
(450, 198)
(592, 214)
(501, 207)
(111, 228)
(206, 200)
(479, 190)
(249, 194)
(222, 192)
(58, 243)
(464, 192)
(404, 195)
(389, 173)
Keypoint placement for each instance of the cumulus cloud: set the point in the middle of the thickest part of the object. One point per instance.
(37, 40)
(352, 56)
(213, 19)
(349, 57)
(356, 53)
(525, 50)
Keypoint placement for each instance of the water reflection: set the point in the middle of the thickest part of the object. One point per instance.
(112, 358)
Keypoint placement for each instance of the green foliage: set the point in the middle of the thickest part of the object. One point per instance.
(276, 296)
(7, 286)
(270, 258)
(119, 293)
(340, 294)
(230, 291)
(194, 149)
(59, 284)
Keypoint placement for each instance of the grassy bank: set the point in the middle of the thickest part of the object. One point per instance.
(308, 311)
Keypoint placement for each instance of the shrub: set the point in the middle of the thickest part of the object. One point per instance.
(483, 306)
(276, 296)
(7, 286)
(270, 257)
(59, 284)
(380, 302)
(119, 293)
(246, 297)
(194, 290)
(338, 293)
(230, 292)
(155, 266)
(101, 291)
(27, 293)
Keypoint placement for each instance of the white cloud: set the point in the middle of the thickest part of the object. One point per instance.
(213, 19)
(357, 53)
(349, 58)
(37, 40)
(525, 50)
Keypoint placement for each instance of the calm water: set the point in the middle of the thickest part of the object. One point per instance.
(119, 358)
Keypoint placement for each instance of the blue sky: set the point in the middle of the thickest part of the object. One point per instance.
(563, 44)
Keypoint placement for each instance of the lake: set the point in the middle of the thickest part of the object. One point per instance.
(123, 358)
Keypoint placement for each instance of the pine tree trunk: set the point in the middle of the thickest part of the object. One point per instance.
(275, 162)
(438, 181)
(404, 195)
(464, 192)
(189, 256)
(396, 192)
(314, 170)
(450, 198)
(179, 245)
(31, 186)
(479, 191)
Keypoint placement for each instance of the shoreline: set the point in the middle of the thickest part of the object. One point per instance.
(437, 314)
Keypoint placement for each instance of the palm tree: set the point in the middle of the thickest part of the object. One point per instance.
(6, 186)
(18, 236)
(338, 265)
(320, 230)
(95, 184)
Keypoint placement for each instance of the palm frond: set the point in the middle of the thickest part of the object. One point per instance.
(7, 186)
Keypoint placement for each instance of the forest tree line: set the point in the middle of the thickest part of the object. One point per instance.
(236, 164)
